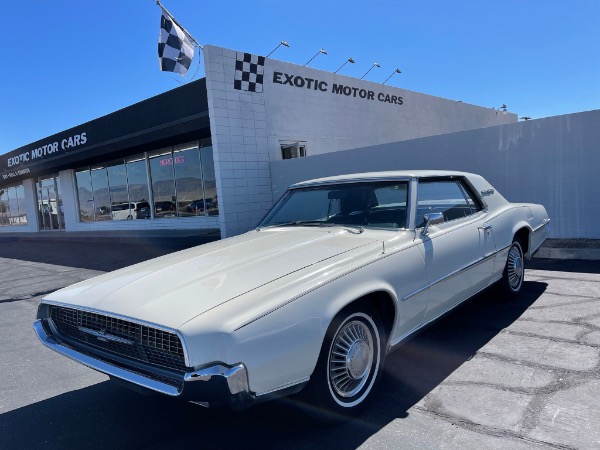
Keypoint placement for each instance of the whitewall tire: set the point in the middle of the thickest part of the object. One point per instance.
(349, 366)
(514, 270)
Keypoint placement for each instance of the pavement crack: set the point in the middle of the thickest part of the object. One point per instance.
(584, 299)
(590, 329)
(489, 431)
(590, 372)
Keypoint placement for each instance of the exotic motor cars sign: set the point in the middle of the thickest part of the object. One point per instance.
(340, 89)
(15, 164)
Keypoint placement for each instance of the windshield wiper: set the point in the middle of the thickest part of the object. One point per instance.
(294, 223)
(356, 229)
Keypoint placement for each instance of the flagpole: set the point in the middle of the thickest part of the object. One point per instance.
(178, 24)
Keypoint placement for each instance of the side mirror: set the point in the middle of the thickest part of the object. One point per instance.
(432, 219)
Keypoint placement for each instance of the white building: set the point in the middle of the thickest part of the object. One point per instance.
(203, 155)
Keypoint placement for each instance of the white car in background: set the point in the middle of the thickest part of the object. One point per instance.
(126, 210)
(339, 273)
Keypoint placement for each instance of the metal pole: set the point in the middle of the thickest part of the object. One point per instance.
(395, 71)
(371, 68)
(178, 24)
(345, 62)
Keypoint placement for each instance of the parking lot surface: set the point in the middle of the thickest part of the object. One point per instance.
(495, 373)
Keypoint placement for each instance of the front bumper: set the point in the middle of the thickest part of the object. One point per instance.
(212, 385)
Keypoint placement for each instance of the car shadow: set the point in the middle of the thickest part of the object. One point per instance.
(107, 416)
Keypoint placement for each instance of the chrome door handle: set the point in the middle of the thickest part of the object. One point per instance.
(486, 227)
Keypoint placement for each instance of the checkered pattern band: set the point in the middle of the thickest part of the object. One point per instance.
(175, 48)
(249, 72)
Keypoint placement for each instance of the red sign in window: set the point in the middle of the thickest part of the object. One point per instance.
(169, 161)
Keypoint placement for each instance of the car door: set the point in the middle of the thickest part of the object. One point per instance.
(459, 252)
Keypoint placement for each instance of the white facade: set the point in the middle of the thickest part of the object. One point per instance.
(255, 106)
(322, 111)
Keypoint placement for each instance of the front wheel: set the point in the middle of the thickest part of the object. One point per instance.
(349, 366)
(514, 271)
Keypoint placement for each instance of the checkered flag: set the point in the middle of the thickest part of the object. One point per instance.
(175, 47)
(249, 72)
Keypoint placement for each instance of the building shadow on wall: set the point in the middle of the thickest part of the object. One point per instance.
(107, 416)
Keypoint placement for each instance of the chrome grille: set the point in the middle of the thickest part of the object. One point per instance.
(121, 337)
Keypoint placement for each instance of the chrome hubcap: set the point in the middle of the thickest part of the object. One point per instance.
(515, 267)
(351, 358)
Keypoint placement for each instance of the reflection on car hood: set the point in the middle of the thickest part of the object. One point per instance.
(175, 288)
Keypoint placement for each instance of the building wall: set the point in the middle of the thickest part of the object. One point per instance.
(239, 139)
(249, 127)
(551, 161)
(329, 121)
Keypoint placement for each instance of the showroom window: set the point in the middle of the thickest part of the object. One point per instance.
(171, 182)
(12, 206)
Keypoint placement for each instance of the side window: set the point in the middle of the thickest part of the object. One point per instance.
(444, 196)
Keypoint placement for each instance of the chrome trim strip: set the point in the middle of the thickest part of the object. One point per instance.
(101, 366)
(546, 222)
(348, 181)
(412, 294)
(412, 202)
(417, 328)
(127, 318)
(462, 269)
(456, 272)
(284, 386)
(504, 248)
(103, 336)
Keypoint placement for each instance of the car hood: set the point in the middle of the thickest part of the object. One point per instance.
(174, 288)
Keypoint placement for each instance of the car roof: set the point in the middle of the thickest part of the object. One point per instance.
(380, 176)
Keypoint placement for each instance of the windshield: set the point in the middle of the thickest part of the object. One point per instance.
(375, 204)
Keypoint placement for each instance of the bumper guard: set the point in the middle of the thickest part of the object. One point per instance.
(213, 385)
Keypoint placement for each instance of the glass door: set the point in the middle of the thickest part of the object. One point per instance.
(50, 207)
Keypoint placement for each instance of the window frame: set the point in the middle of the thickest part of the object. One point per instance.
(465, 188)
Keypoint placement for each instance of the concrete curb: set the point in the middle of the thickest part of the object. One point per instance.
(569, 253)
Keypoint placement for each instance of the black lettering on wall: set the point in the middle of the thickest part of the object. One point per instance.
(337, 88)
(349, 91)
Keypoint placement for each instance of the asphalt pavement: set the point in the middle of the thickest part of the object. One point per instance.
(494, 373)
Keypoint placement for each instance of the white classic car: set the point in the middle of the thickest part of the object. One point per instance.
(340, 271)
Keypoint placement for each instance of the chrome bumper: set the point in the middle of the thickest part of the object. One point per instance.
(213, 385)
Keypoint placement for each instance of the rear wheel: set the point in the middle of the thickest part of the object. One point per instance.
(349, 366)
(514, 271)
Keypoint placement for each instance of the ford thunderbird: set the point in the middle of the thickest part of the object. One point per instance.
(340, 272)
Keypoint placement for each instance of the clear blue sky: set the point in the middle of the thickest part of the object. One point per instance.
(65, 62)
